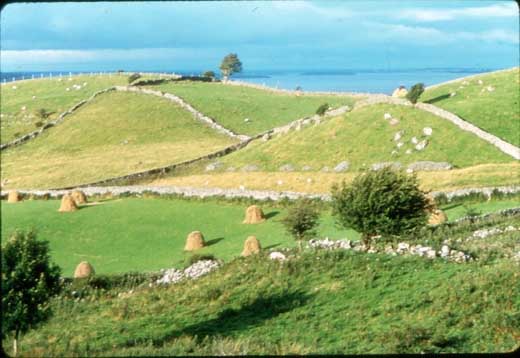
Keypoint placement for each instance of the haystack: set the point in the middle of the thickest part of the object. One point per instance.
(79, 197)
(251, 246)
(194, 241)
(83, 270)
(13, 197)
(437, 217)
(254, 215)
(67, 204)
(400, 92)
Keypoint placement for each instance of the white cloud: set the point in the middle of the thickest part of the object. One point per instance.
(428, 15)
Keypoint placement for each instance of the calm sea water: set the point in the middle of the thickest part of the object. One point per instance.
(372, 81)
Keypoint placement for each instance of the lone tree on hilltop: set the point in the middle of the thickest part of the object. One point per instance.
(383, 202)
(28, 282)
(415, 92)
(230, 64)
(301, 220)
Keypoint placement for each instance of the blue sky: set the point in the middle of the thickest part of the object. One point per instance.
(266, 35)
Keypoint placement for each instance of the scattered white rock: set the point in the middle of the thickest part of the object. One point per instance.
(198, 269)
(67, 89)
(445, 251)
(306, 168)
(490, 88)
(480, 82)
(394, 121)
(341, 167)
(14, 87)
(400, 144)
(286, 168)
(421, 145)
(414, 140)
(24, 108)
(33, 97)
(309, 180)
(452, 94)
(279, 182)
(408, 151)
(387, 116)
(409, 171)
(213, 166)
(393, 152)
(398, 136)
(427, 131)
(275, 255)
(246, 120)
(241, 187)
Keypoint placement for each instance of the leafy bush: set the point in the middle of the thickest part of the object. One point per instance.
(133, 77)
(38, 124)
(29, 280)
(383, 202)
(415, 92)
(322, 109)
(17, 134)
(42, 113)
(301, 220)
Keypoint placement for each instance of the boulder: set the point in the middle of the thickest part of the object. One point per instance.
(400, 92)
(379, 166)
(427, 166)
(341, 167)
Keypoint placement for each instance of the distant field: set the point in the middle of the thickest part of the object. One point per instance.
(230, 105)
(116, 134)
(496, 111)
(484, 175)
(363, 137)
(149, 234)
(51, 95)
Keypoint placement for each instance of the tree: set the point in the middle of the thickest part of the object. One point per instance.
(28, 282)
(209, 74)
(230, 64)
(301, 220)
(415, 92)
(383, 202)
(322, 109)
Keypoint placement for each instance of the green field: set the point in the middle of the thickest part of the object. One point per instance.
(497, 112)
(51, 95)
(319, 303)
(149, 234)
(117, 133)
(363, 137)
(230, 105)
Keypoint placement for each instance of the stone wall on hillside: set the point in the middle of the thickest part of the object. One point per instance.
(236, 193)
(51, 124)
(183, 104)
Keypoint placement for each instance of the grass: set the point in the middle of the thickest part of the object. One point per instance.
(90, 144)
(484, 175)
(364, 137)
(333, 303)
(230, 105)
(149, 234)
(51, 95)
(496, 112)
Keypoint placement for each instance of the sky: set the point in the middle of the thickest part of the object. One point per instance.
(281, 35)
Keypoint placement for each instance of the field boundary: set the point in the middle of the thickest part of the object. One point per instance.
(501, 144)
(470, 76)
(240, 193)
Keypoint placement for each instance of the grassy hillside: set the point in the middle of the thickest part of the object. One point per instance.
(364, 137)
(496, 111)
(230, 105)
(484, 175)
(50, 94)
(149, 234)
(333, 302)
(116, 134)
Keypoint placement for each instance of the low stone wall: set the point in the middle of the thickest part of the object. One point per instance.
(91, 189)
(376, 99)
(294, 92)
(183, 104)
(51, 124)
(468, 127)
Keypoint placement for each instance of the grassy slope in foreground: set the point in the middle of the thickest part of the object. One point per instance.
(333, 302)
(497, 111)
(116, 134)
(363, 137)
(230, 105)
(51, 95)
(149, 234)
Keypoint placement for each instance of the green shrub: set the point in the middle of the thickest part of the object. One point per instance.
(415, 92)
(383, 202)
(133, 77)
(17, 134)
(38, 124)
(42, 113)
(322, 109)
(301, 220)
(29, 280)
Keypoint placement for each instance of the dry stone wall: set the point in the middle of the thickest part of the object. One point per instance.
(51, 124)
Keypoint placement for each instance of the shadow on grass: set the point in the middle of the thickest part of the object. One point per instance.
(448, 207)
(231, 321)
(438, 98)
(271, 246)
(272, 214)
(214, 241)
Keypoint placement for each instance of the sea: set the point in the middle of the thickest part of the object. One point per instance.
(340, 80)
